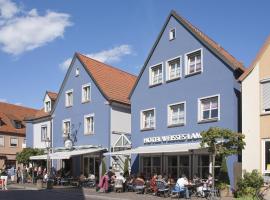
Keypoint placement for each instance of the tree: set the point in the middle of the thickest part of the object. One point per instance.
(104, 169)
(126, 167)
(223, 142)
(24, 156)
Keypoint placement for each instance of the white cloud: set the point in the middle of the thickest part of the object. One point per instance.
(8, 9)
(108, 56)
(29, 30)
(3, 100)
(18, 104)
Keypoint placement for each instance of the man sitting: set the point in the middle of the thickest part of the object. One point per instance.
(182, 182)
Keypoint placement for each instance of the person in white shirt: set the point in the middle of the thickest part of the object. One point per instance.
(121, 177)
(182, 182)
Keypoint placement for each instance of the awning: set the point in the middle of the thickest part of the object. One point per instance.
(172, 148)
(66, 154)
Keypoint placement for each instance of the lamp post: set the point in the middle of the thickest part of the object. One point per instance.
(48, 147)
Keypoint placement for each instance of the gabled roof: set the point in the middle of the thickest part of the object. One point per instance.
(52, 95)
(113, 83)
(258, 57)
(10, 113)
(203, 38)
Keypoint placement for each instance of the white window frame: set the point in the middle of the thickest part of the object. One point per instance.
(3, 137)
(264, 171)
(150, 74)
(77, 71)
(43, 126)
(66, 96)
(45, 106)
(263, 112)
(200, 120)
(85, 128)
(168, 68)
(169, 123)
(186, 62)
(16, 139)
(84, 86)
(63, 128)
(141, 119)
(170, 31)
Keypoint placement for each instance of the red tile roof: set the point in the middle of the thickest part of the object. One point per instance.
(9, 113)
(258, 57)
(114, 83)
(52, 95)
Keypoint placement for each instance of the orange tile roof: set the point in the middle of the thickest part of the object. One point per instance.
(9, 113)
(258, 57)
(114, 83)
(52, 95)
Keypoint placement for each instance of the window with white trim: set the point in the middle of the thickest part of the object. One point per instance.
(66, 127)
(89, 124)
(47, 106)
(194, 62)
(69, 98)
(172, 34)
(176, 114)
(2, 141)
(148, 119)
(266, 155)
(77, 72)
(174, 69)
(86, 93)
(43, 133)
(209, 108)
(14, 142)
(265, 96)
(156, 74)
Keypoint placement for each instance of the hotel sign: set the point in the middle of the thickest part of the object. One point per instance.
(172, 138)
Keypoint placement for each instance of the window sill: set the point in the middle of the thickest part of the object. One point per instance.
(174, 79)
(147, 129)
(69, 106)
(89, 134)
(154, 85)
(207, 121)
(172, 39)
(87, 101)
(265, 114)
(192, 74)
(175, 125)
(13, 146)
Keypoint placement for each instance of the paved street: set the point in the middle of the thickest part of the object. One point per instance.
(72, 194)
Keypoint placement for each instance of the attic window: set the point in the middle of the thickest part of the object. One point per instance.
(172, 34)
(47, 106)
(77, 72)
(18, 124)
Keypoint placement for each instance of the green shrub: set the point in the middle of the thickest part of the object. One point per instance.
(249, 184)
(126, 166)
(104, 168)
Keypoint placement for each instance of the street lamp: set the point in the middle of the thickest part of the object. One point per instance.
(48, 147)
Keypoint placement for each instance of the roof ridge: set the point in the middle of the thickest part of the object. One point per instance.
(24, 107)
(108, 65)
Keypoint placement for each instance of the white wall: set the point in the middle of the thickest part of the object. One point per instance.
(251, 121)
(37, 134)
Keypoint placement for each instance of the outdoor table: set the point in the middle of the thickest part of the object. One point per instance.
(64, 182)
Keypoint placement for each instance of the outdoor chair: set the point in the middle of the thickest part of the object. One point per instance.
(177, 191)
(139, 187)
(118, 185)
(162, 188)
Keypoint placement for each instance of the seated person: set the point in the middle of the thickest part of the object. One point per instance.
(104, 183)
(111, 175)
(182, 182)
(120, 177)
(140, 184)
(206, 186)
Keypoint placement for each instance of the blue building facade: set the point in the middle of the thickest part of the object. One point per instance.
(187, 84)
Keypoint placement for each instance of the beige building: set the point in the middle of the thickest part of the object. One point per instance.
(12, 132)
(256, 112)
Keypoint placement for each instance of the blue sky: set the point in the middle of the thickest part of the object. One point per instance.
(37, 37)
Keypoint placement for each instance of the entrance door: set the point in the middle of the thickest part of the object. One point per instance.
(91, 166)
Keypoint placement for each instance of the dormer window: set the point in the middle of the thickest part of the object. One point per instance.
(156, 74)
(18, 124)
(172, 34)
(47, 106)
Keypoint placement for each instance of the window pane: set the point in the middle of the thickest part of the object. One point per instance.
(2, 141)
(267, 155)
(214, 113)
(206, 114)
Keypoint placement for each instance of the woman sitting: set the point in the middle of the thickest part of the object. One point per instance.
(140, 184)
(153, 184)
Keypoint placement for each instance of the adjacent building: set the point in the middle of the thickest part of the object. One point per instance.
(12, 132)
(256, 112)
(188, 83)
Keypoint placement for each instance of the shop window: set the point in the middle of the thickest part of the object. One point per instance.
(150, 165)
(172, 167)
(184, 165)
(203, 165)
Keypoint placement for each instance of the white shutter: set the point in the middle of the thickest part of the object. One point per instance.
(266, 96)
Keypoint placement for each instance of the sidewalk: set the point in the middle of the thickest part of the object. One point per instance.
(30, 186)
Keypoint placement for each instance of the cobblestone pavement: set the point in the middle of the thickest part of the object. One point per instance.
(72, 194)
